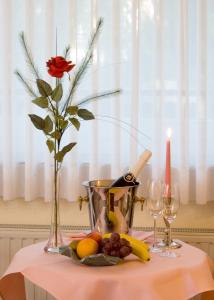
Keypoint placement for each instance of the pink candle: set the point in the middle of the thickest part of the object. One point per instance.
(168, 165)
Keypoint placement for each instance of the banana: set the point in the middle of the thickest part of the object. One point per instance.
(140, 251)
(113, 218)
(132, 239)
(139, 248)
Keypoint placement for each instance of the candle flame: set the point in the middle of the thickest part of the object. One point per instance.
(169, 132)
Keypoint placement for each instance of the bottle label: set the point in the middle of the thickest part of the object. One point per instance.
(129, 178)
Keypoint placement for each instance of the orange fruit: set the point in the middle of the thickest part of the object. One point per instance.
(87, 247)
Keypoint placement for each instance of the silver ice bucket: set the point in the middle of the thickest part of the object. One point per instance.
(110, 209)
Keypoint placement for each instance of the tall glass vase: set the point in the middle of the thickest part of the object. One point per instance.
(55, 242)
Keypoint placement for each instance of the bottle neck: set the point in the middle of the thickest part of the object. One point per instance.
(138, 167)
(129, 177)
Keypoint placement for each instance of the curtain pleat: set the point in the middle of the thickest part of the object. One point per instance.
(7, 122)
(134, 95)
(69, 183)
(116, 103)
(94, 170)
(30, 163)
(201, 148)
(50, 37)
(158, 88)
(183, 85)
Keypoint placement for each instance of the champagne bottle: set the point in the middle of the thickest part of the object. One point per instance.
(129, 178)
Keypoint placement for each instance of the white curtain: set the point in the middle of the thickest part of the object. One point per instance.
(159, 52)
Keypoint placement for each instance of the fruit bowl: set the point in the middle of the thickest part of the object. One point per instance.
(106, 250)
(99, 259)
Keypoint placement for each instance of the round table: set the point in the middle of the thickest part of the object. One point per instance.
(160, 279)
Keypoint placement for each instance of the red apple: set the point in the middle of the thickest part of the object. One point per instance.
(95, 235)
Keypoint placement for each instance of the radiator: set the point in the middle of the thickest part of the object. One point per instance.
(13, 237)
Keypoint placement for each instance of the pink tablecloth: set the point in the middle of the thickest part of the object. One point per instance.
(160, 279)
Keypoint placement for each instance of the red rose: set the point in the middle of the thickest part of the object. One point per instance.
(58, 65)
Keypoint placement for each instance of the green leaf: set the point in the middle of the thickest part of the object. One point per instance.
(50, 145)
(41, 102)
(59, 118)
(68, 147)
(56, 135)
(38, 122)
(44, 87)
(85, 114)
(57, 93)
(72, 110)
(63, 124)
(75, 122)
(99, 259)
(60, 155)
(48, 125)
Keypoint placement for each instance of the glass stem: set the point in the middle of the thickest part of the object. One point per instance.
(155, 238)
(169, 235)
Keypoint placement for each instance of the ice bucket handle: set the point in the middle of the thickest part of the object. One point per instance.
(141, 200)
(81, 200)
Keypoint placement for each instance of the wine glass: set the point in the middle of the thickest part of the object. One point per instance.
(155, 206)
(171, 204)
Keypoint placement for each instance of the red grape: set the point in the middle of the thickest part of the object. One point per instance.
(125, 251)
(115, 236)
(116, 246)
